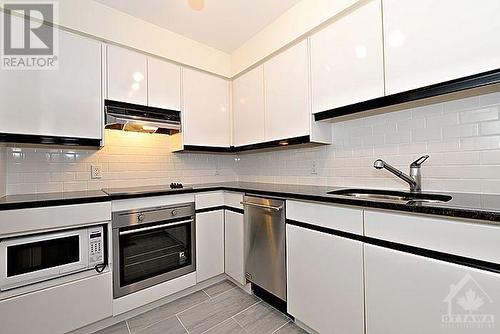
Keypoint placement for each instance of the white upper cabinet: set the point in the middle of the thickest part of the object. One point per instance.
(248, 108)
(347, 59)
(164, 84)
(127, 76)
(206, 118)
(287, 94)
(64, 102)
(429, 41)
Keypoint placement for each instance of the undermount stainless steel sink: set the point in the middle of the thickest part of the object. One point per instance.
(393, 196)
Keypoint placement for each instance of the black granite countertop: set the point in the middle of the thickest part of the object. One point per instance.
(463, 205)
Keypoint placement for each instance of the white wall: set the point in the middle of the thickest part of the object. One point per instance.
(461, 136)
(292, 25)
(128, 159)
(105, 23)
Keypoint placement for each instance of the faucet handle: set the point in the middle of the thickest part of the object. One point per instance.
(417, 163)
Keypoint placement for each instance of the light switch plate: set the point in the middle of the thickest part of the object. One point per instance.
(95, 172)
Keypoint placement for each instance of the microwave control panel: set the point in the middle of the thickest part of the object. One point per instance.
(96, 246)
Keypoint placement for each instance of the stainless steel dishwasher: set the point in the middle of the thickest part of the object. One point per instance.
(265, 261)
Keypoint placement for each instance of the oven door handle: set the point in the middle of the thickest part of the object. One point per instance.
(150, 228)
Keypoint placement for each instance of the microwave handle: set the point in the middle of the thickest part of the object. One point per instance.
(150, 228)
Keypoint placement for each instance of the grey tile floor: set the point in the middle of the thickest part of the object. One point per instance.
(222, 308)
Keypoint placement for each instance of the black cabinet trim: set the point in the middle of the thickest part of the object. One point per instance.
(445, 257)
(48, 140)
(447, 87)
(220, 207)
(259, 146)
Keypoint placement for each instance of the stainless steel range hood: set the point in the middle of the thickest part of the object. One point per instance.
(139, 118)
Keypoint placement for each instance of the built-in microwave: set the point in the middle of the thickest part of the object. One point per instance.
(35, 258)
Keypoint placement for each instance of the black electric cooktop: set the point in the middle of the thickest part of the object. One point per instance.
(173, 187)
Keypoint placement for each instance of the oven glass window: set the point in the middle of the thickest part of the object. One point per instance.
(30, 257)
(152, 252)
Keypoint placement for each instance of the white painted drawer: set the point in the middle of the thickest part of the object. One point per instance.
(64, 216)
(330, 216)
(150, 202)
(473, 240)
(60, 309)
(233, 199)
(209, 199)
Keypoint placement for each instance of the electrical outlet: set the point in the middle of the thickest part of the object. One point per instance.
(95, 172)
(314, 168)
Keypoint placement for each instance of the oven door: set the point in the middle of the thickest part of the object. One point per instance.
(36, 258)
(148, 254)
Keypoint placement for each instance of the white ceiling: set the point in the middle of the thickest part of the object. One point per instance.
(222, 24)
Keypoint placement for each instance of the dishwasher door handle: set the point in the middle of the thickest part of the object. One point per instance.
(277, 208)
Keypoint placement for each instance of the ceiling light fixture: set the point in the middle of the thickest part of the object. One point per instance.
(197, 5)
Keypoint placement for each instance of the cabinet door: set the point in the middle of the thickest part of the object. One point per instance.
(429, 41)
(234, 248)
(127, 76)
(164, 84)
(287, 94)
(209, 245)
(410, 294)
(248, 108)
(347, 59)
(65, 102)
(205, 109)
(325, 281)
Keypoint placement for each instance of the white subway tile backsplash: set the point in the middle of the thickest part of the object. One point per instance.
(460, 136)
(481, 115)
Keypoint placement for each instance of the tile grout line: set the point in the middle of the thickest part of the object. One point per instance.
(232, 318)
(209, 297)
(128, 327)
(236, 321)
(178, 319)
(286, 323)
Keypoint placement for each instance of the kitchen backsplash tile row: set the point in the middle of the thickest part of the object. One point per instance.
(127, 159)
(461, 136)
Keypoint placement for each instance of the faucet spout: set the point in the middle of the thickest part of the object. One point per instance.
(381, 164)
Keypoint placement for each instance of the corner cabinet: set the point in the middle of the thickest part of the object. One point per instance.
(286, 82)
(64, 102)
(248, 108)
(428, 42)
(209, 244)
(205, 112)
(234, 246)
(347, 59)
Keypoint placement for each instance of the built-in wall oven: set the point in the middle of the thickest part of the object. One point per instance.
(151, 246)
(39, 257)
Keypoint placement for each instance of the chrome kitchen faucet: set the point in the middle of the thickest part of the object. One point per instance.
(415, 177)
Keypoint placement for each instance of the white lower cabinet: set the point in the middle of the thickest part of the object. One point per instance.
(411, 294)
(234, 249)
(60, 309)
(325, 281)
(209, 244)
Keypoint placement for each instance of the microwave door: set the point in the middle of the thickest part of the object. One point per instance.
(32, 259)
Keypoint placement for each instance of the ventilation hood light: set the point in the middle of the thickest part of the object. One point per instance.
(138, 118)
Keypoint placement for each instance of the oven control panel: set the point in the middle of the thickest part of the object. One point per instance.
(96, 246)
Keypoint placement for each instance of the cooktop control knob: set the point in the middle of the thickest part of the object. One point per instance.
(174, 212)
(140, 217)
